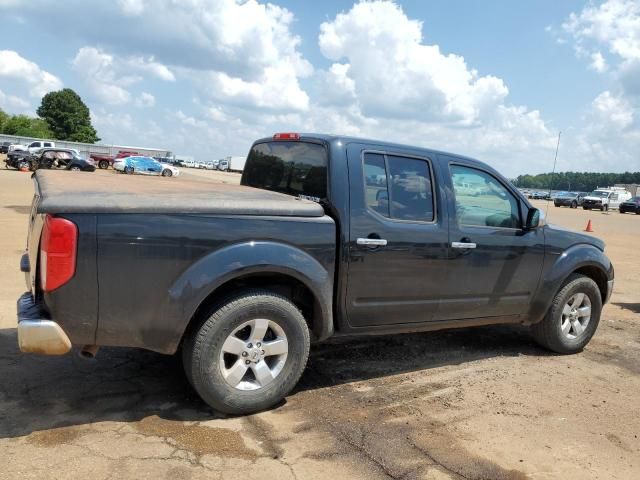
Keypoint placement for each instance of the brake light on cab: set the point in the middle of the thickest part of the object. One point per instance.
(286, 136)
(58, 246)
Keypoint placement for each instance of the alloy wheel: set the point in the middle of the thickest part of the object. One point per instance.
(576, 315)
(254, 354)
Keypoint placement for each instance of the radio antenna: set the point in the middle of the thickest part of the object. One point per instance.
(555, 161)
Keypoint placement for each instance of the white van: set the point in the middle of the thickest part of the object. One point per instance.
(604, 199)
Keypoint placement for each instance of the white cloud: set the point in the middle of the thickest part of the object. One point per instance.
(145, 100)
(394, 73)
(131, 7)
(39, 81)
(13, 103)
(598, 62)
(609, 137)
(108, 76)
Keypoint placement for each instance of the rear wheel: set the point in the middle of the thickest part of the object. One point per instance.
(75, 168)
(247, 354)
(103, 164)
(573, 317)
(574, 204)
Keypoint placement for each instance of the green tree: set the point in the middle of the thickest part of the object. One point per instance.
(25, 126)
(3, 118)
(67, 116)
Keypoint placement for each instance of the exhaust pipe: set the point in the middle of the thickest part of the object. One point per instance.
(88, 352)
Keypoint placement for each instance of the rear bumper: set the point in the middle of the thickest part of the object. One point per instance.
(38, 334)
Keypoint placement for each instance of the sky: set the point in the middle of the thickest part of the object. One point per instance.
(495, 80)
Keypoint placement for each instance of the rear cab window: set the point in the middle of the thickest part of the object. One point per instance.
(296, 168)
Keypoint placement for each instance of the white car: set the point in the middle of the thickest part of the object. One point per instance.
(34, 146)
(169, 170)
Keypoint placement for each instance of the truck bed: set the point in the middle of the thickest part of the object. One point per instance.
(70, 192)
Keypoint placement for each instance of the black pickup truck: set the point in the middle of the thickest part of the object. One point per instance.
(325, 236)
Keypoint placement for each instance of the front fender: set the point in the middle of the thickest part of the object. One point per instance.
(214, 270)
(557, 269)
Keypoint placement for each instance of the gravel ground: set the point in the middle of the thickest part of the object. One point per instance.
(461, 404)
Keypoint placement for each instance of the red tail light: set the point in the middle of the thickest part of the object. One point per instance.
(58, 246)
(286, 136)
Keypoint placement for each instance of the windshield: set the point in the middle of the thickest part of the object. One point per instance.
(568, 195)
(294, 168)
(599, 193)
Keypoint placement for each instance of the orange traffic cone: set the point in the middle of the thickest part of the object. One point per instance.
(589, 227)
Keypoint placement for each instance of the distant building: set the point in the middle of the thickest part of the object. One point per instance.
(86, 149)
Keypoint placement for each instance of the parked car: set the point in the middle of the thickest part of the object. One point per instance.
(17, 147)
(104, 161)
(605, 198)
(169, 170)
(241, 278)
(61, 158)
(4, 147)
(539, 195)
(631, 205)
(568, 199)
(18, 159)
(138, 165)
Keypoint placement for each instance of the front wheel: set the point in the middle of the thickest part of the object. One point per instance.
(167, 173)
(247, 354)
(574, 204)
(75, 168)
(128, 170)
(572, 318)
(103, 164)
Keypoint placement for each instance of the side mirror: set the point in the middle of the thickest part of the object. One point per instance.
(533, 219)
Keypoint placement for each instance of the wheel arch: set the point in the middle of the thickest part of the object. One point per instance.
(270, 266)
(583, 259)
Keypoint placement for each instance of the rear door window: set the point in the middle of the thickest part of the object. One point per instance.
(399, 187)
(293, 168)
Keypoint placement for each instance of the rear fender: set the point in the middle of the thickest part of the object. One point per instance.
(193, 287)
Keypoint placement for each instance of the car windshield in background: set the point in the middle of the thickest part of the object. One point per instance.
(568, 195)
(598, 193)
(294, 168)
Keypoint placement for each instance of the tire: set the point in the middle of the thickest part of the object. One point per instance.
(103, 164)
(204, 359)
(75, 168)
(167, 173)
(23, 164)
(548, 333)
(574, 204)
(128, 170)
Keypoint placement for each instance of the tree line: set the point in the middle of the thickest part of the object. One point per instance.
(62, 115)
(575, 181)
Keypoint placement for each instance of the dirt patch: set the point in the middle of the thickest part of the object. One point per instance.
(54, 437)
(198, 439)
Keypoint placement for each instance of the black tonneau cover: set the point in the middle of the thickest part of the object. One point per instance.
(80, 192)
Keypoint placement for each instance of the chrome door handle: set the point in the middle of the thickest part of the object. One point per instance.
(463, 245)
(372, 242)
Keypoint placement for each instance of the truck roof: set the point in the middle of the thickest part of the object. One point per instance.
(67, 192)
(329, 138)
